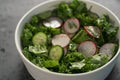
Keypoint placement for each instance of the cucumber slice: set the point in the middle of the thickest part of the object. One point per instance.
(39, 38)
(56, 52)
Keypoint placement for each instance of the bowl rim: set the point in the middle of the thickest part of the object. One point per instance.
(56, 73)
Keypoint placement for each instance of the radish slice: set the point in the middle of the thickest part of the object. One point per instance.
(53, 22)
(71, 25)
(92, 31)
(108, 49)
(61, 39)
(88, 48)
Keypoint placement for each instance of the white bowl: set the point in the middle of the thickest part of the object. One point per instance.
(41, 74)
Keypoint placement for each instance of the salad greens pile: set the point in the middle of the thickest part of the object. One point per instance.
(69, 39)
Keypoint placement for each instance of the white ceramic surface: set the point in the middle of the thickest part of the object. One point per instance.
(41, 74)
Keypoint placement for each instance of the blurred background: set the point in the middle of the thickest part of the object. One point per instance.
(11, 66)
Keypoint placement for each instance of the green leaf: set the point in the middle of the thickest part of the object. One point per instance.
(64, 11)
(45, 14)
(77, 65)
(26, 37)
(31, 27)
(50, 63)
(73, 57)
(55, 31)
(38, 49)
(96, 59)
(78, 7)
(107, 28)
(27, 54)
(72, 46)
(63, 68)
(94, 62)
(34, 20)
(80, 36)
(43, 29)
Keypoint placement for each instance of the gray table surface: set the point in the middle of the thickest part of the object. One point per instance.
(11, 66)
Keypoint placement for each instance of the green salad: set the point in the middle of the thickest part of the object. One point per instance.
(69, 39)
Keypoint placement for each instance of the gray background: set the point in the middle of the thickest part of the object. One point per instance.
(11, 66)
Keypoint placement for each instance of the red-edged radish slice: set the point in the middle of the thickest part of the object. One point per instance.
(108, 49)
(88, 48)
(61, 39)
(92, 31)
(71, 25)
(53, 22)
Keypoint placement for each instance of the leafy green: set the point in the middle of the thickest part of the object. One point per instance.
(43, 29)
(63, 68)
(72, 46)
(45, 14)
(73, 57)
(38, 49)
(64, 11)
(68, 59)
(86, 19)
(34, 20)
(50, 63)
(26, 37)
(80, 36)
(38, 60)
(55, 31)
(27, 54)
(74, 63)
(50, 30)
(32, 28)
(107, 28)
(78, 7)
(94, 62)
(77, 65)
(80, 11)
(93, 15)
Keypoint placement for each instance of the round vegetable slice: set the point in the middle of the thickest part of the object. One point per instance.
(92, 31)
(88, 48)
(71, 25)
(39, 38)
(108, 48)
(53, 22)
(56, 52)
(61, 39)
